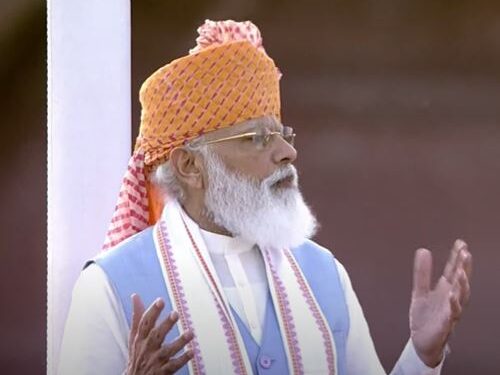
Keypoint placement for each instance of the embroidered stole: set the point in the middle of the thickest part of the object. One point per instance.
(196, 294)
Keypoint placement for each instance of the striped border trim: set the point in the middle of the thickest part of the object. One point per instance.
(179, 296)
(286, 318)
(313, 307)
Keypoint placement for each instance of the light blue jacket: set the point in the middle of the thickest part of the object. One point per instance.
(133, 267)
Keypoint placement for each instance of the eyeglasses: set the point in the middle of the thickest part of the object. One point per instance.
(260, 138)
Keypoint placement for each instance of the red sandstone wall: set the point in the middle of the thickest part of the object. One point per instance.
(396, 106)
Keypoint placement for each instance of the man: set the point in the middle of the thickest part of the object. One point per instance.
(211, 232)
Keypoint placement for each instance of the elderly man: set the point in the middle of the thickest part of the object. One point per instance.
(211, 232)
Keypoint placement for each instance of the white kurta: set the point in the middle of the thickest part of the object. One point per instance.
(96, 323)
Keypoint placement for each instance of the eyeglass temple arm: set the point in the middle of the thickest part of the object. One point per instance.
(229, 138)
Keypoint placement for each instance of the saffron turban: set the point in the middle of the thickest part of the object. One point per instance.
(227, 78)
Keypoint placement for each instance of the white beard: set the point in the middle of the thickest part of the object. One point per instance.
(269, 216)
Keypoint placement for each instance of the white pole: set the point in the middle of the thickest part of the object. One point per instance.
(88, 140)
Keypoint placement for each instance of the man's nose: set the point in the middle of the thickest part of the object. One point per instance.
(284, 152)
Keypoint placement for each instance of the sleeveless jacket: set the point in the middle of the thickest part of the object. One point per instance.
(133, 267)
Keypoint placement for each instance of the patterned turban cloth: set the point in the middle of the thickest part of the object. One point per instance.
(227, 78)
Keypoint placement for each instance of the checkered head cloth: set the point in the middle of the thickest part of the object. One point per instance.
(225, 80)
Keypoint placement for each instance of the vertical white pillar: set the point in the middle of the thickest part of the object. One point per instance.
(89, 140)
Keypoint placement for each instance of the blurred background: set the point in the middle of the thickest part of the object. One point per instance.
(396, 105)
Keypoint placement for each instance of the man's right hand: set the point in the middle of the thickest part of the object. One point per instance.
(147, 353)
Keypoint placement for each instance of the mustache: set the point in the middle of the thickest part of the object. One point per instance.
(289, 171)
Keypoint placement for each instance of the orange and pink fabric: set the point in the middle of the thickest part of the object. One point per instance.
(226, 79)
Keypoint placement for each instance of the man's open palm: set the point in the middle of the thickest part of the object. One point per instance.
(435, 311)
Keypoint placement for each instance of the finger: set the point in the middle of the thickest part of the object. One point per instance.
(463, 265)
(171, 349)
(462, 288)
(451, 264)
(149, 318)
(157, 334)
(138, 310)
(456, 308)
(467, 262)
(422, 272)
(175, 364)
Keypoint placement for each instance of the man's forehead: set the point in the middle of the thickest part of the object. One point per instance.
(262, 122)
(265, 122)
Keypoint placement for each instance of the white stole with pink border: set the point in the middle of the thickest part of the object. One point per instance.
(196, 294)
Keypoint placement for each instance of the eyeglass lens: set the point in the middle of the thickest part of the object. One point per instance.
(265, 135)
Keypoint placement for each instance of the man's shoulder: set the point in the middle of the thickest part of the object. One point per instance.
(134, 246)
(311, 255)
(310, 248)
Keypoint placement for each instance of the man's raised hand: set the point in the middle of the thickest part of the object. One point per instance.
(435, 311)
(147, 353)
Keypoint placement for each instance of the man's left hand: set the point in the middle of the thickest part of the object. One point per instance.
(434, 312)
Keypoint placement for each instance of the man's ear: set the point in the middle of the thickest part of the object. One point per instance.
(188, 167)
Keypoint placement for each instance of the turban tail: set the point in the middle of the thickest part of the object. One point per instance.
(225, 80)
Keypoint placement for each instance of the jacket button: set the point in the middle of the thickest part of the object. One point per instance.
(265, 361)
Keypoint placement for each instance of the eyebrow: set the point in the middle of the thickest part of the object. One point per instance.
(266, 124)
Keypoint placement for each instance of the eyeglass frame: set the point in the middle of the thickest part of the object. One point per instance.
(266, 139)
